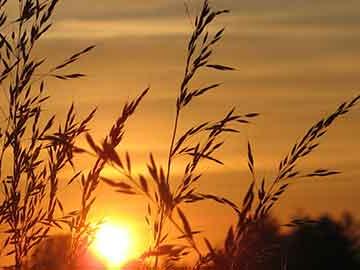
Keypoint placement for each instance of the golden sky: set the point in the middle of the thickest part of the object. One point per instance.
(296, 61)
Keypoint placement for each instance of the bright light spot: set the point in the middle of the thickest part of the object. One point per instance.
(112, 244)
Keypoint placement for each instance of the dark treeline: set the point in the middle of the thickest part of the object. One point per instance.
(323, 244)
(326, 243)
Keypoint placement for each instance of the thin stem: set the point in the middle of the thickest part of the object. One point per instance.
(172, 145)
(16, 152)
(159, 235)
(164, 215)
(178, 108)
(191, 241)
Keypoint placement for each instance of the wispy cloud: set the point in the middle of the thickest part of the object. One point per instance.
(243, 26)
(96, 29)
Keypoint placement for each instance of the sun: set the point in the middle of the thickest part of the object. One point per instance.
(112, 244)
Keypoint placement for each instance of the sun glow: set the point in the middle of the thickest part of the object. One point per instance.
(113, 244)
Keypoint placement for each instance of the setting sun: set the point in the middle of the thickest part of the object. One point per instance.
(113, 244)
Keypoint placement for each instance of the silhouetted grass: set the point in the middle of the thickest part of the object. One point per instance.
(263, 195)
(34, 154)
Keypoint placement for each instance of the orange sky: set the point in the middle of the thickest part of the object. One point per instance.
(296, 60)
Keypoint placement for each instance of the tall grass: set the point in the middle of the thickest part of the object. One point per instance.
(200, 143)
(34, 153)
(263, 195)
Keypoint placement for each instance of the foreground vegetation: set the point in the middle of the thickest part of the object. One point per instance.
(34, 154)
(322, 244)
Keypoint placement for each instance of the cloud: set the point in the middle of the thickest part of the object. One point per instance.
(258, 9)
(109, 18)
(119, 9)
(100, 29)
(240, 26)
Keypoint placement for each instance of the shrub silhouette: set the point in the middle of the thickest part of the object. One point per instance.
(324, 243)
(51, 253)
(259, 249)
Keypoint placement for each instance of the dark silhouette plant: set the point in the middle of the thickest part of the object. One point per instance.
(324, 244)
(320, 243)
(199, 143)
(33, 153)
(263, 195)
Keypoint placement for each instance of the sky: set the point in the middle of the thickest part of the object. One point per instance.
(296, 62)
